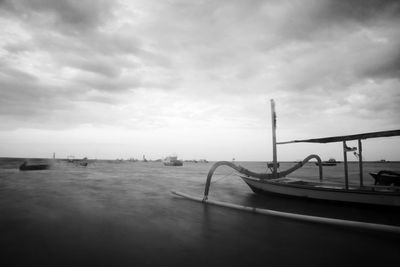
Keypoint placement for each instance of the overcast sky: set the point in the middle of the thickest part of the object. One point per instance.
(119, 79)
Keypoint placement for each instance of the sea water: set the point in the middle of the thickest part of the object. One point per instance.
(123, 213)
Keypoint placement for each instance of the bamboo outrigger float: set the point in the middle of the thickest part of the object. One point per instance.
(278, 183)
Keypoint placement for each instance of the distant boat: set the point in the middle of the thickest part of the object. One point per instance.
(81, 162)
(197, 161)
(172, 161)
(33, 167)
(330, 162)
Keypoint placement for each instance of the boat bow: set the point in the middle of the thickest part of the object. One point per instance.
(261, 176)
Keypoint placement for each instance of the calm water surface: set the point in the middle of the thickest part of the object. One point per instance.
(123, 214)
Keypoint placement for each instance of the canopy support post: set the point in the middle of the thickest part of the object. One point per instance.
(360, 162)
(346, 172)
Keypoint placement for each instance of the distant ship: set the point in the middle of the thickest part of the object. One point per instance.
(330, 162)
(33, 167)
(172, 161)
(79, 162)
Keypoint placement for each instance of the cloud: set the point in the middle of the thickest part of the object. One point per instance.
(313, 55)
(11, 74)
(67, 15)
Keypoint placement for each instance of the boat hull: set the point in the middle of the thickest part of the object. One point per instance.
(326, 164)
(36, 167)
(385, 196)
(173, 163)
(386, 178)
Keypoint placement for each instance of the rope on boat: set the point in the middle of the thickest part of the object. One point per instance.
(223, 177)
(295, 216)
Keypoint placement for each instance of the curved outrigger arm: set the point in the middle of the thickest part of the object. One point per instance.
(247, 172)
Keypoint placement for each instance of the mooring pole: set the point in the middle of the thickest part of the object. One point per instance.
(274, 156)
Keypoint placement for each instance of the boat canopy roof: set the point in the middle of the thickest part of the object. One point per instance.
(346, 137)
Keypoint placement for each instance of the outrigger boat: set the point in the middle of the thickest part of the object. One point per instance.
(279, 182)
(380, 194)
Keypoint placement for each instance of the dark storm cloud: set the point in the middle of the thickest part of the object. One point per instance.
(218, 36)
(99, 49)
(69, 15)
(333, 45)
(21, 98)
(360, 10)
(314, 20)
(382, 17)
(104, 66)
(61, 37)
(107, 84)
(17, 48)
(11, 74)
(28, 103)
(384, 69)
